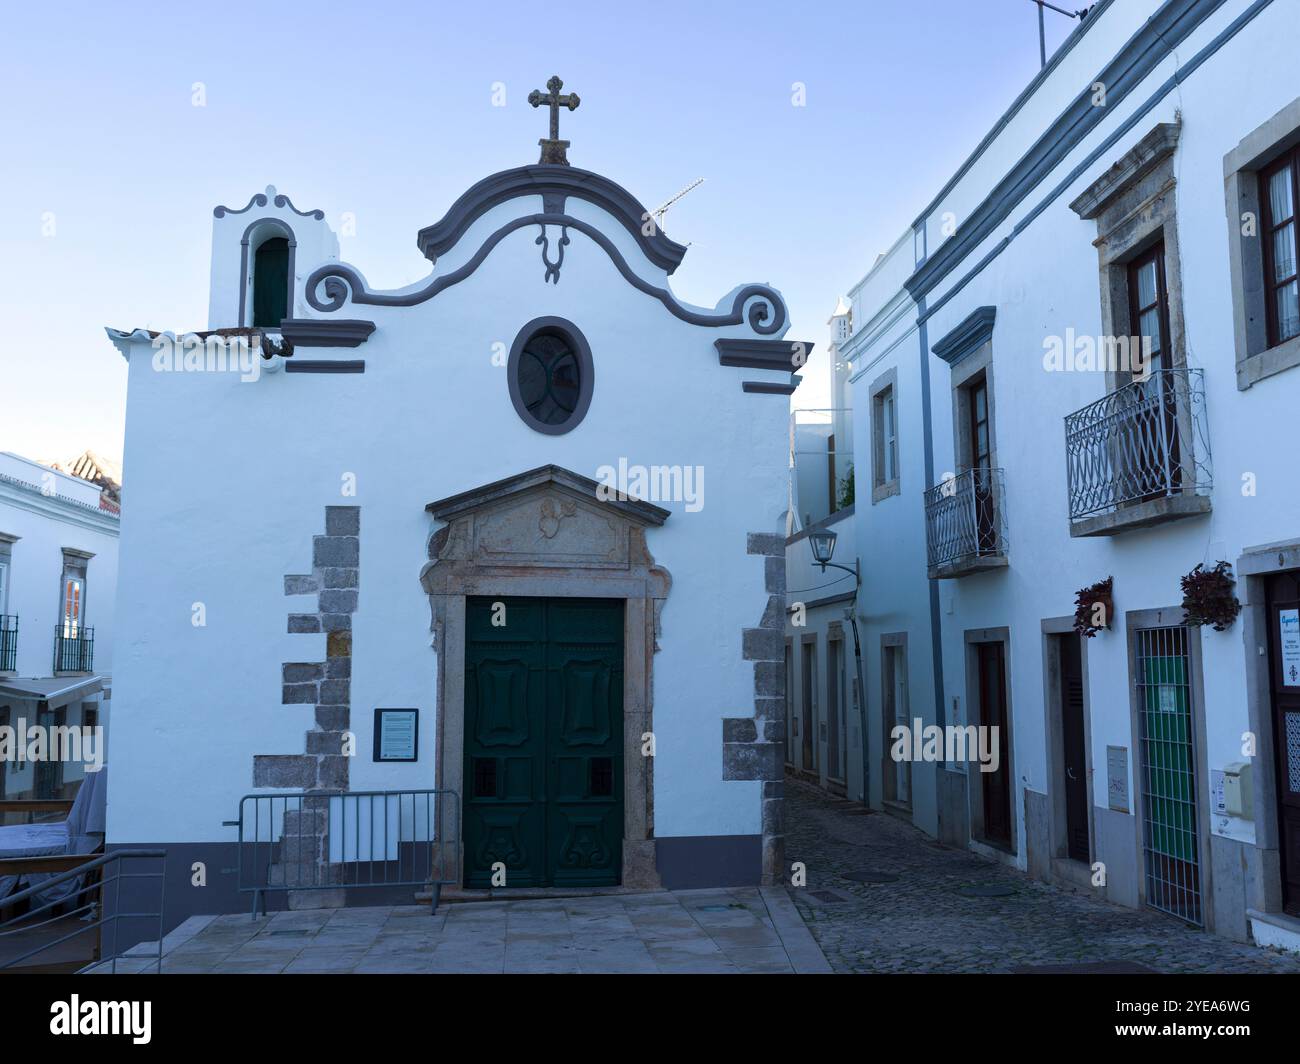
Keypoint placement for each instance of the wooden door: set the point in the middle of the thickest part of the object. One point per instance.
(1284, 651)
(808, 676)
(543, 741)
(1073, 749)
(993, 714)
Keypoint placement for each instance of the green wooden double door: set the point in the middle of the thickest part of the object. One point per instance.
(543, 742)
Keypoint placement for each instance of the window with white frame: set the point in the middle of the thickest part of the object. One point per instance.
(884, 436)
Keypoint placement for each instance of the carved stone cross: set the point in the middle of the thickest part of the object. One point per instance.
(553, 147)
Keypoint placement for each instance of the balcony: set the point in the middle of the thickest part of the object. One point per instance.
(965, 525)
(8, 642)
(1139, 456)
(74, 649)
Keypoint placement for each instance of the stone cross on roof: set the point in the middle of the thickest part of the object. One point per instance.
(552, 147)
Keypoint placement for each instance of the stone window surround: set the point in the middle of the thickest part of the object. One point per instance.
(1256, 360)
(888, 770)
(1062, 866)
(1134, 205)
(965, 374)
(1170, 617)
(75, 563)
(972, 637)
(881, 488)
(581, 351)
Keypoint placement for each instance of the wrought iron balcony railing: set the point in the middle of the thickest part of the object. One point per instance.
(74, 649)
(1148, 440)
(8, 642)
(965, 522)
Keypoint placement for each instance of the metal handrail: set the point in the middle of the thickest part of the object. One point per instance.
(76, 652)
(8, 642)
(965, 517)
(327, 840)
(23, 922)
(1146, 440)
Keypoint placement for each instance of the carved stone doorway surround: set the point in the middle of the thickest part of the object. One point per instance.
(547, 534)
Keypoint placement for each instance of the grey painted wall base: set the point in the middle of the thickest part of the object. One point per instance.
(954, 819)
(690, 862)
(1038, 854)
(220, 895)
(1235, 871)
(1117, 848)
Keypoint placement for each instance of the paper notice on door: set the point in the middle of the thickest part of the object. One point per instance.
(1289, 622)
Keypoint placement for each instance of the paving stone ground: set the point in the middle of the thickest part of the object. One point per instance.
(742, 930)
(920, 923)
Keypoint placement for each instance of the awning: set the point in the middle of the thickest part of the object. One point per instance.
(55, 690)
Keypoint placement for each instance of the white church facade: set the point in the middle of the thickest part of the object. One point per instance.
(534, 505)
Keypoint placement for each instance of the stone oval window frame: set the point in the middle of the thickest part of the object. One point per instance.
(572, 335)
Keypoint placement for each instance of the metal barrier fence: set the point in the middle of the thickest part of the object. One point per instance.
(85, 904)
(346, 840)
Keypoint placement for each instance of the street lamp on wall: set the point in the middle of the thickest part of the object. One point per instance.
(822, 543)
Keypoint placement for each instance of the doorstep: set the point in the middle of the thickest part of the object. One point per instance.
(1275, 929)
(456, 894)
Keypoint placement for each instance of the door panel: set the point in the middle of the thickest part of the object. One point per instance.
(505, 742)
(1074, 761)
(993, 714)
(1284, 609)
(543, 741)
(585, 671)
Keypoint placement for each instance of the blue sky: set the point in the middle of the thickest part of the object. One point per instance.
(385, 110)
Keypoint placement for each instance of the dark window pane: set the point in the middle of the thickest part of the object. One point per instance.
(549, 378)
(602, 777)
(485, 777)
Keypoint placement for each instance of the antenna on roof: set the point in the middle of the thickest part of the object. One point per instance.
(1042, 29)
(661, 210)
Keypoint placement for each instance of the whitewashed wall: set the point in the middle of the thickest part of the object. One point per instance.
(430, 417)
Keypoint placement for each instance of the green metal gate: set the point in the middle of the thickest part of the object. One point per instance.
(543, 742)
(1171, 844)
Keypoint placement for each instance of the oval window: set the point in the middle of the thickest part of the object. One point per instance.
(550, 375)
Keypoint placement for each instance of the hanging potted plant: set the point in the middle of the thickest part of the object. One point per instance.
(1093, 606)
(1209, 598)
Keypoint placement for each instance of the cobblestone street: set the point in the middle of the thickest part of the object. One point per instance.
(921, 923)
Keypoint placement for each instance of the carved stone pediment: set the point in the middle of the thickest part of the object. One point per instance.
(546, 519)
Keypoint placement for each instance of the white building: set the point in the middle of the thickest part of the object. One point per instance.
(822, 651)
(410, 512)
(1143, 185)
(58, 581)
